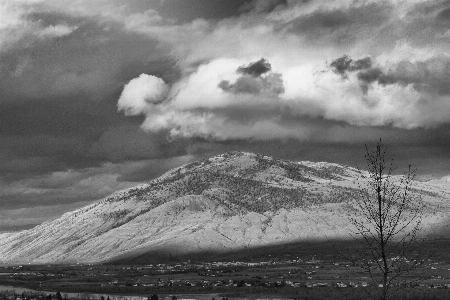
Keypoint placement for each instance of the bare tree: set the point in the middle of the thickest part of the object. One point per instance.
(386, 219)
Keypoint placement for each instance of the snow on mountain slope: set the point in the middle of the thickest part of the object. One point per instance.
(227, 202)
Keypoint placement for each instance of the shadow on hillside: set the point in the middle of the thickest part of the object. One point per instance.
(435, 249)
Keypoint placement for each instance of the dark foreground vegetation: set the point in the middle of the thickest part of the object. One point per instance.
(241, 294)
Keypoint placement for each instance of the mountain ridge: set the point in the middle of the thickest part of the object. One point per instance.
(223, 203)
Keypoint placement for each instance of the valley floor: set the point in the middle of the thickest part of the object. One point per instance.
(268, 276)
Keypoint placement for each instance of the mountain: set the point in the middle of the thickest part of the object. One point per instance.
(224, 203)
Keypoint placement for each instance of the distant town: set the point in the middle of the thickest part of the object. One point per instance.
(277, 276)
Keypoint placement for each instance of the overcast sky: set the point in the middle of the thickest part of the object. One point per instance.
(99, 95)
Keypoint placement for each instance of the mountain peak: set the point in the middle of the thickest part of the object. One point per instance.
(222, 203)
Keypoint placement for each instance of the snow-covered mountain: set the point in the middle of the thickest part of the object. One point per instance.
(228, 202)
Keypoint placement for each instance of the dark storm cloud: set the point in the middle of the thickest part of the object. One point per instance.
(367, 74)
(341, 65)
(255, 69)
(252, 82)
(431, 75)
(272, 84)
(344, 64)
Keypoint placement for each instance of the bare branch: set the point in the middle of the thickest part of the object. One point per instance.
(386, 221)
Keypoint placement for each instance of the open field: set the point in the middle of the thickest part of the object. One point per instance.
(304, 270)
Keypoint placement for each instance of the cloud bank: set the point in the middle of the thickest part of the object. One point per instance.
(261, 75)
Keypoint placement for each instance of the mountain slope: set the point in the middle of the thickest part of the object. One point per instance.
(227, 202)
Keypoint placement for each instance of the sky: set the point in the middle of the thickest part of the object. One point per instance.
(101, 95)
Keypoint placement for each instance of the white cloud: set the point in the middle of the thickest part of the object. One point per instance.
(140, 93)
